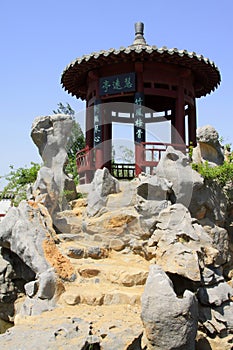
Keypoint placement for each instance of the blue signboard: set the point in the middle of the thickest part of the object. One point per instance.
(117, 84)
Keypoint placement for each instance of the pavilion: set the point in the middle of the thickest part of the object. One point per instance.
(145, 84)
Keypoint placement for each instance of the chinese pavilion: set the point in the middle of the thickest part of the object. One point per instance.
(146, 84)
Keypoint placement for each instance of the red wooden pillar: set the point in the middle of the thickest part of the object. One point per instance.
(89, 127)
(173, 127)
(192, 125)
(94, 124)
(139, 130)
(89, 143)
(180, 116)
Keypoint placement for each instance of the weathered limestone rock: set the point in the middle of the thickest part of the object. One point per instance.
(208, 148)
(218, 322)
(126, 197)
(155, 188)
(212, 321)
(211, 276)
(215, 295)
(220, 240)
(178, 242)
(174, 167)
(50, 134)
(153, 195)
(14, 273)
(202, 198)
(31, 288)
(226, 311)
(102, 185)
(79, 327)
(110, 249)
(209, 201)
(170, 322)
(23, 233)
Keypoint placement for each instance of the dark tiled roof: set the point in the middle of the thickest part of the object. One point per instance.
(205, 71)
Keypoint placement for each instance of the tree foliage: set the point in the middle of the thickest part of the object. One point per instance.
(222, 174)
(18, 180)
(64, 109)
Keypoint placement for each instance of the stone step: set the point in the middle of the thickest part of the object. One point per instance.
(101, 294)
(122, 269)
(115, 274)
(117, 279)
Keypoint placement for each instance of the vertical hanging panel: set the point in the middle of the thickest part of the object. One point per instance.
(139, 118)
(98, 127)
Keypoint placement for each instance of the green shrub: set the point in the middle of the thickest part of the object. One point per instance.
(18, 179)
(221, 174)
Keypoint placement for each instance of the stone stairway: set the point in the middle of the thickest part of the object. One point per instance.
(107, 278)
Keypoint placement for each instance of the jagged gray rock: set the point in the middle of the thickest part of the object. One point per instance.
(226, 311)
(177, 242)
(174, 166)
(211, 275)
(209, 201)
(22, 233)
(215, 295)
(102, 185)
(53, 187)
(208, 148)
(153, 195)
(13, 275)
(170, 322)
(220, 240)
(212, 320)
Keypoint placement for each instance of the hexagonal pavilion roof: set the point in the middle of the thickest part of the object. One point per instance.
(206, 73)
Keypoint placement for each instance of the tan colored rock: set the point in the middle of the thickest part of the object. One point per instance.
(79, 206)
(180, 260)
(118, 221)
(89, 272)
(90, 295)
(58, 261)
(116, 244)
(210, 255)
(70, 298)
(118, 297)
(205, 343)
(69, 328)
(128, 278)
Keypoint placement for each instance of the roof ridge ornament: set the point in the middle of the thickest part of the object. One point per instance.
(139, 31)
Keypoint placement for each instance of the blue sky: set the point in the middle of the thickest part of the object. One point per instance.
(39, 38)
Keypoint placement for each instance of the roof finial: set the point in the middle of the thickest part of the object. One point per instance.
(139, 38)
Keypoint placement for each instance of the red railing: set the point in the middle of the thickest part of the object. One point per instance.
(147, 156)
(84, 159)
(151, 153)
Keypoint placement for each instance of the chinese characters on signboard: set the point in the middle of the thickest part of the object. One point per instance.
(116, 84)
(97, 123)
(139, 123)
